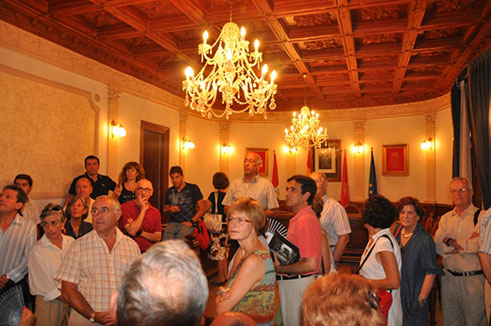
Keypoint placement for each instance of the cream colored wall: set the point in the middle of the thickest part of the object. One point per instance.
(200, 163)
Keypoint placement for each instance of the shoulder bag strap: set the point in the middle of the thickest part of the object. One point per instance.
(216, 202)
(370, 252)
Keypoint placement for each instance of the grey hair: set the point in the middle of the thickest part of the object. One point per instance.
(321, 175)
(463, 179)
(165, 286)
(114, 201)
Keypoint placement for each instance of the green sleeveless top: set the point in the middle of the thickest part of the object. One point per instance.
(258, 303)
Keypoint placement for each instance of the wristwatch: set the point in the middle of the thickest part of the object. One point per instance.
(92, 317)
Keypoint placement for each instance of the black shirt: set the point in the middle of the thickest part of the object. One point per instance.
(99, 187)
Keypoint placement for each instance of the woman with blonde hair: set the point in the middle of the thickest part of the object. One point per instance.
(131, 173)
(251, 289)
(340, 300)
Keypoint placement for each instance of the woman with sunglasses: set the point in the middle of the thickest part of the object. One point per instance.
(76, 212)
(43, 263)
(251, 289)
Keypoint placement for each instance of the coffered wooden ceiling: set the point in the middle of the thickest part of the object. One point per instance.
(356, 53)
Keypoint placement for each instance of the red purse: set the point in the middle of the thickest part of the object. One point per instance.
(384, 303)
(201, 234)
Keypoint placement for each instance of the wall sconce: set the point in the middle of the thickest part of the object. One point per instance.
(117, 129)
(427, 144)
(187, 144)
(289, 150)
(358, 147)
(227, 148)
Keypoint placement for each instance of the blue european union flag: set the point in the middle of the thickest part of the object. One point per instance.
(372, 182)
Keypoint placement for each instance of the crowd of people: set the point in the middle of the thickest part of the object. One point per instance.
(102, 258)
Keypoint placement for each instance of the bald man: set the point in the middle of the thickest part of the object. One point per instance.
(139, 219)
(252, 185)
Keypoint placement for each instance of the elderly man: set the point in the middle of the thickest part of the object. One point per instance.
(139, 219)
(485, 258)
(457, 241)
(83, 188)
(101, 184)
(94, 265)
(17, 236)
(252, 185)
(181, 200)
(304, 231)
(333, 219)
(165, 286)
(30, 209)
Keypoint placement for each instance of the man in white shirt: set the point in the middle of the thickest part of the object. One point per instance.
(485, 258)
(333, 219)
(457, 241)
(17, 236)
(30, 210)
(253, 186)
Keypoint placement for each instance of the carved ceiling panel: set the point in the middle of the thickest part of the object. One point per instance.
(157, 9)
(314, 20)
(355, 53)
(383, 12)
(446, 6)
(99, 19)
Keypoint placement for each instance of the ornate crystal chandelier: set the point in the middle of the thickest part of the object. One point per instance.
(231, 73)
(305, 130)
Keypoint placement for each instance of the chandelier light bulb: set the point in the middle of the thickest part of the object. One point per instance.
(242, 32)
(205, 37)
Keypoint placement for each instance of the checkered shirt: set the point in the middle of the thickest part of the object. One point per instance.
(97, 271)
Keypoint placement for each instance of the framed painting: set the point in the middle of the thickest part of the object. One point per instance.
(264, 154)
(327, 159)
(395, 160)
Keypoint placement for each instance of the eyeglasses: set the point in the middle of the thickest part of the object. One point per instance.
(52, 223)
(238, 220)
(96, 211)
(52, 209)
(459, 191)
(143, 189)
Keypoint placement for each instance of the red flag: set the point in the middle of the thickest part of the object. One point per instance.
(344, 183)
(309, 163)
(275, 180)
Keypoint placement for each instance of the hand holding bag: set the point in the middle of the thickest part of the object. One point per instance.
(213, 221)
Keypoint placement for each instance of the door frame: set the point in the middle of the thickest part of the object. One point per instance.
(165, 131)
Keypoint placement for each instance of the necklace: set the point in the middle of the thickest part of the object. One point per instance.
(406, 235)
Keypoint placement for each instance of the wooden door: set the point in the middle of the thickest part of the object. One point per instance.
(154, 156)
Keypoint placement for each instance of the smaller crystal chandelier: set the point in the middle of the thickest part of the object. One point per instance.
(305, 130)
(231, 74)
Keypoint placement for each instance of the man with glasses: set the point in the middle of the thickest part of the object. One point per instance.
(457, 241)
(139, 219)
(30, 210)
(17, 236)
(93, 267)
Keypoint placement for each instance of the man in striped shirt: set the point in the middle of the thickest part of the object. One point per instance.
(94, 265)
(333, 219)
(485, 258)
(17, 236)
